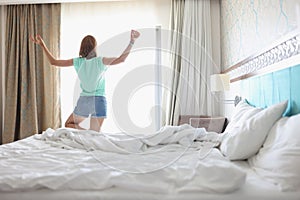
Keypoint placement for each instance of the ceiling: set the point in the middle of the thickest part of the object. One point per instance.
(11, 2)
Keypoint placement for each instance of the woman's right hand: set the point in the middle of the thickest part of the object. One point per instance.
(37, 40)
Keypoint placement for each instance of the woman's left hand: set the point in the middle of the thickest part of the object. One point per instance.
(134, 35)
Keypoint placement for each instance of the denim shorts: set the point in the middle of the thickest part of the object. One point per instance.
(95, 106)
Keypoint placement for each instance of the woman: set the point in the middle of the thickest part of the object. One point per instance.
(90, 70)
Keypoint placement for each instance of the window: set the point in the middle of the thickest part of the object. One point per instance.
(110, 23)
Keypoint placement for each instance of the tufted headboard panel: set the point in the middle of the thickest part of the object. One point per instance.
(274, 87)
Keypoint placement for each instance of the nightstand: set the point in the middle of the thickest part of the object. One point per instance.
(211, 124)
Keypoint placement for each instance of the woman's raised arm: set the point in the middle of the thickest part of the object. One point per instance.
(60, 63)
(114, 61)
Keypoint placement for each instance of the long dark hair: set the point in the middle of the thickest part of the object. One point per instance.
(87, 47)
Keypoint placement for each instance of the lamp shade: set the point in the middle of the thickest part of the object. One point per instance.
(219, 82)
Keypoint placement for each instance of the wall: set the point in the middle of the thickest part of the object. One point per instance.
(215, 29)
(250, 25)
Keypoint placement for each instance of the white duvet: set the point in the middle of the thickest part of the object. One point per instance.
(175, 159)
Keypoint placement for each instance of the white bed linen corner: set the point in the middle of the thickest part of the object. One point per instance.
(278, 161)
(165, 163)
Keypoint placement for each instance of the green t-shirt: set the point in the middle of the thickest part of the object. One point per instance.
(91, 75)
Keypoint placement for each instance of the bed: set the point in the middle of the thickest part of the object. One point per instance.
(60, 170)
(257, 156)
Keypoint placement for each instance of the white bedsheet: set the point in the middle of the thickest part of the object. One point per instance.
(255, 188)
(174, 160)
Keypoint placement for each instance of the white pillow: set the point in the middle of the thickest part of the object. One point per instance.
(279, 159)
(241, 112)
(248, 135)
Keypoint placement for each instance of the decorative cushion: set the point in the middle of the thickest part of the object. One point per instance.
(214, 124)
(211, 124)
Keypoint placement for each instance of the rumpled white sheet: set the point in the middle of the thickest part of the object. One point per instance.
(175, 159)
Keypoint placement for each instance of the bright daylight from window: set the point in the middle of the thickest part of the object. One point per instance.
(110, 23)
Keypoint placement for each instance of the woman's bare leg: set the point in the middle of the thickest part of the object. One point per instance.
(73, 122)
(96, 123)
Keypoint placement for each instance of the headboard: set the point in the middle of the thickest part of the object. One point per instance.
(272, 75)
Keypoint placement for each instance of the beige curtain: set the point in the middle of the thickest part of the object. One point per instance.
(32, 85)
(2, 55)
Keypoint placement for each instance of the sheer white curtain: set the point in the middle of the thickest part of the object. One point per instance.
(110, 23)
(198, 51)
(192, 61)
